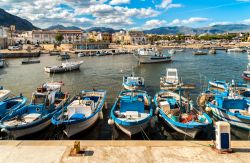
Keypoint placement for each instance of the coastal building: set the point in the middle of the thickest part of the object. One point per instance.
(4, 37)
(48, 36)
(118, 37)
(100, 36)
(135, 38)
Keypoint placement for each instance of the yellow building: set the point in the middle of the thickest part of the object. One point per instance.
(135, 38)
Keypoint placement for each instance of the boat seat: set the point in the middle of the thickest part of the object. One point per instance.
(31, 117)
(77, 116)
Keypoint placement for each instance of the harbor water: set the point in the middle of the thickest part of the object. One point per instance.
(106, 73)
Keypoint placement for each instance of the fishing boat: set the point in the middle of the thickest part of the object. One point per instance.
(235, 50)
(212, 51)
(81, 112)
(132, 111)
(66, 66)
(246, 73)
(11, 104)
(4, 93)
(179, 113)
(133, 82)
(172, 82)
(151, 55)
(36, 116)
(172, 51)
(221, 84)
(30, 61)
(200, 52)
(233, 110)
(64, 56)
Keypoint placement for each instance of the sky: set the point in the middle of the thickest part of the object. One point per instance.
(130, 14)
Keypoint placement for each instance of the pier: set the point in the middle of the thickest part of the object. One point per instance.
(121, 151)
(19, 54)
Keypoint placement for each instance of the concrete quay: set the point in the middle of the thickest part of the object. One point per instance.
(19, 54)
(121, 151)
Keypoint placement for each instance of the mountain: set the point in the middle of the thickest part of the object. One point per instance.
(7, 19)
(61, 27)
(103, 29)
(215, 29)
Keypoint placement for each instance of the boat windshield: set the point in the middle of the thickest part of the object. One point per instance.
(38, 99)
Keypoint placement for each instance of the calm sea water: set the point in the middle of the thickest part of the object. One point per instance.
(106, 72)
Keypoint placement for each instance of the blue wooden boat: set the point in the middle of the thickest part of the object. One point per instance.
(221, 84)
(11, 104)
(235, 110)
(36, 116)
(132, 111)
(132, 82)
(81, 112)
(179, 113)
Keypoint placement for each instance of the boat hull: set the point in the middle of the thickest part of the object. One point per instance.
(63, 69)
(16, 133)
(73, 129)
(244, 76)
(150, 59)
(132, 130)
(233, 120)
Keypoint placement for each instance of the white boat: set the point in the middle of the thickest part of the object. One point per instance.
(151, 55)
(81, 112)
(200, 52)
(171, 78)
(248, 51)
(66, 66)
(80, 55)
(172, 51)
(212, 51)
(179, 50)
(235, 50)
(4, 94)
(133, 82)
(219, 84)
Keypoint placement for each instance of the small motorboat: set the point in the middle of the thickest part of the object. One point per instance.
(246, 73)
(64, 56)
(235, 50)
(248, 51)
(132, 111)
(172, 82)
(221, 84)
(2, 63)
(233, 110)
(30, 61)
(54, 52)
(132, 82)
(66, 66)
(212, 51)
(36, 116)
(4, 94)
(81, 55)
(200, 52)
(11, 104)
(179, 113)
(81, 112)
(172, 51)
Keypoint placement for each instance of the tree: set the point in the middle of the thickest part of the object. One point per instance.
(59, 37)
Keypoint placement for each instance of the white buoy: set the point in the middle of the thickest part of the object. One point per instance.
(111, 122)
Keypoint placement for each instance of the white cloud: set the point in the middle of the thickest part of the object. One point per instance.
(191, 20)
(167, 4)
(246, 21)
(154, 23)
(220, 23)
(118, 2)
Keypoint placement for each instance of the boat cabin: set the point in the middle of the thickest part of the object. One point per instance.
(131, 80)
(172, 76)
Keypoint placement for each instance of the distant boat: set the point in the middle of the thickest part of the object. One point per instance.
(4, 94)
(218, 84)
(179, 50)
(180, 114)
(81, 112)
(64, 56)
(30, 61)
(248, 51)
(151, 55)
(132, 111)
(2, 63)
(172, 51)
(132, 82)
(235, 50)
(54, 52)
(46, 101)
(11, 104)
(212, 51)
(81, 55)
(232, 110)
(66, 66)
(246, 74)
(200, 52)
